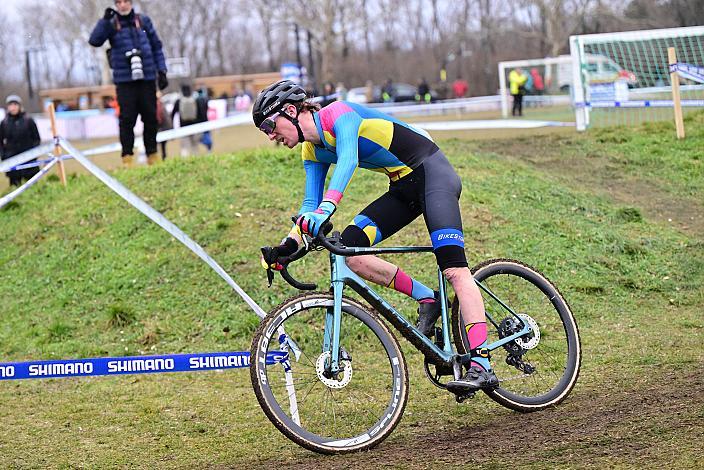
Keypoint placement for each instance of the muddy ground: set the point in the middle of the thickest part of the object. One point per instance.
(626, 423)
(621, 425)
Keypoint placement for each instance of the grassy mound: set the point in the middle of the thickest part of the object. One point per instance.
(83, 274)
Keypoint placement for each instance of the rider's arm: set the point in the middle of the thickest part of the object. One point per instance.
(103, 31)
(347, 140)
(315, 184)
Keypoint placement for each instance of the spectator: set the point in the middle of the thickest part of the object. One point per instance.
(387, 91)
(137, 60)
(328, 95)
(341, 91)
(460, 87)
(187, 109)
(528, 86)
(164, 121)
(242, 101)
(202, 105)
(369, 91)
(423, 93)
(18, 133)
(538, 83)
(109, 102)
(517, 81)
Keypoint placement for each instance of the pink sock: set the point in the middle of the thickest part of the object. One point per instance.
(477, 337)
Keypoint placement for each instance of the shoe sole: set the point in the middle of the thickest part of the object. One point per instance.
(463, 389)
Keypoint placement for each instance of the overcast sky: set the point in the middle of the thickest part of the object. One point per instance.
(9, 6)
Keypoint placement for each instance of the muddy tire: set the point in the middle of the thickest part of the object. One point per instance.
(552, 351)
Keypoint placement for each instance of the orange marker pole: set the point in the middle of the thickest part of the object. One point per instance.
(57, 147)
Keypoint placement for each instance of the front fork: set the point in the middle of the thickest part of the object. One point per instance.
(333, 318)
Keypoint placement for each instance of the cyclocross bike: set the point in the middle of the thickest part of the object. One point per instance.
(339, 381)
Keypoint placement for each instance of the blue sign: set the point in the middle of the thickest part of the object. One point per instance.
(131, 365)
(291, 71)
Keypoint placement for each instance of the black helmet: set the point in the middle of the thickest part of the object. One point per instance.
(273, 98)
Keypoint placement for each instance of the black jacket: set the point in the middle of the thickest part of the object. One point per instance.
(17, 134)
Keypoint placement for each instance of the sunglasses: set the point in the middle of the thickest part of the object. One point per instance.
(269, 124)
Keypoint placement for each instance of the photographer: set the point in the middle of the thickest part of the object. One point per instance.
(137, 61)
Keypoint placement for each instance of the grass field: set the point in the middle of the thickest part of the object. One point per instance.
(614, 217)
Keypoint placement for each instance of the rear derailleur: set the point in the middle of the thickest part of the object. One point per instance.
(508, 327)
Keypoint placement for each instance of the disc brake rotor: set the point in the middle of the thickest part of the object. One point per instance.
(532, 340)
(331, 382)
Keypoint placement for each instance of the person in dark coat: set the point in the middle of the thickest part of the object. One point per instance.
(137, 61)
(18, 133)
(206, 137)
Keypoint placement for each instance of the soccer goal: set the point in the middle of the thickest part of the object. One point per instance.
(624, 78)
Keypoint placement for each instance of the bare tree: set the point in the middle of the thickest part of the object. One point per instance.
(351, 40)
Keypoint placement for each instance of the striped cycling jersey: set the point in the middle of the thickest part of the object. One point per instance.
(355, 136)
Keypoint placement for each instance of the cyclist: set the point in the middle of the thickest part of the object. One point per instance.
(422, 181)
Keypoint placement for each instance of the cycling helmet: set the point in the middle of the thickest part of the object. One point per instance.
(274, 97)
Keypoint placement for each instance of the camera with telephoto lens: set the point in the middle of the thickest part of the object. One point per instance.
(134, 56)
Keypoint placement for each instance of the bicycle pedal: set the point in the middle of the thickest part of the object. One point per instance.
(464, 396)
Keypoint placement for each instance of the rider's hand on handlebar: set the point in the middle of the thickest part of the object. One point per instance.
(311, 222)
(271, 255)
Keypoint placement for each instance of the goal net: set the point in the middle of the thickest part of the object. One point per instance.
(624, 78)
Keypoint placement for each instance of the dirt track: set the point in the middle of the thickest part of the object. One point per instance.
(626, 424)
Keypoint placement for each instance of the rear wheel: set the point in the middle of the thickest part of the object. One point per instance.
(540, 368)
(352, 411)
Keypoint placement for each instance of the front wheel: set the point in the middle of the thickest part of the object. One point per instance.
(354, 410)
(540, 368)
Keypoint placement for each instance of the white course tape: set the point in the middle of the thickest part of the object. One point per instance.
(171, 134)
(160, 220)
(7, 165)
(28, 184)
(489, 124)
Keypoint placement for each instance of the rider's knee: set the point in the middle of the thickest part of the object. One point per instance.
(456, 274)
(355, 263)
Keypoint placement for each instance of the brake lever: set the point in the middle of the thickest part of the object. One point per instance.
(270, 276)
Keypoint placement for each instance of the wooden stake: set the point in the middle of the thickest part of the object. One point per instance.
(57, 147)
(676, 101)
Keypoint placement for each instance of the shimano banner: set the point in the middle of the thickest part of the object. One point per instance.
(131, 365)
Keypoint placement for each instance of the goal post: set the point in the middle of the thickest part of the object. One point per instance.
(624, 78)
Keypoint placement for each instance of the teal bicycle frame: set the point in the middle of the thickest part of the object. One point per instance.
(341, 276)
